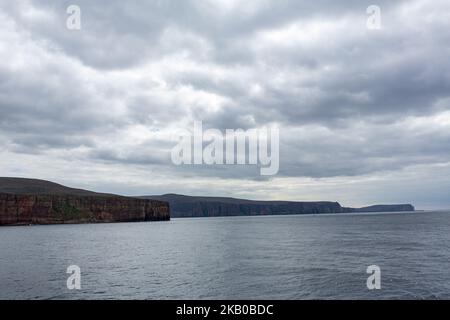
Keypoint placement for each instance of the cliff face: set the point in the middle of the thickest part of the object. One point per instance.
(186, 206)
(383, 208)
(214, 209)
(24, 209)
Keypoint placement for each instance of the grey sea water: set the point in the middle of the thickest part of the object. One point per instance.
(271, 257)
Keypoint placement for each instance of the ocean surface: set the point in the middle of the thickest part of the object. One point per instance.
(270, 257)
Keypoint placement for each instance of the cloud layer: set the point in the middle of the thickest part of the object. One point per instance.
(361, 112)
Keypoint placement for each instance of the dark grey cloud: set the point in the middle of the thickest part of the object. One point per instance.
(350, 102)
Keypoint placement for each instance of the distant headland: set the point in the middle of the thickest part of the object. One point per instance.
(31, 201)
(187, 206)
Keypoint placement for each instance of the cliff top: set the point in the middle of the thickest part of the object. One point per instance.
(39, 187)
(194, 199)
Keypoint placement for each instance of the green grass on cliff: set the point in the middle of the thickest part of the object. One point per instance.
(66, 211)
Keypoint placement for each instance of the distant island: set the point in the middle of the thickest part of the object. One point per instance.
(31, 201)
(182, 206)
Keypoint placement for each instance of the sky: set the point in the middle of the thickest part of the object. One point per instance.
(363, 114)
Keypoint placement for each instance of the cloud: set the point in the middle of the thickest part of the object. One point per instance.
(351, 103)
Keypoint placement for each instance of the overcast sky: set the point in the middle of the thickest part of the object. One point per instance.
(364, 115)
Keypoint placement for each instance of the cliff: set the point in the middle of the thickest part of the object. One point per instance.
(26, 201)
(187, 206)
(29, 201)
(383, 208)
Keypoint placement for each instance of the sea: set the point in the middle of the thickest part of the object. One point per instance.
(329, 256)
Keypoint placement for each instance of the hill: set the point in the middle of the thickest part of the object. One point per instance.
(36, 187)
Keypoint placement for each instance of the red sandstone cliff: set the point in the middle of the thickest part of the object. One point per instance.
(65, 206)
(53, 209)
